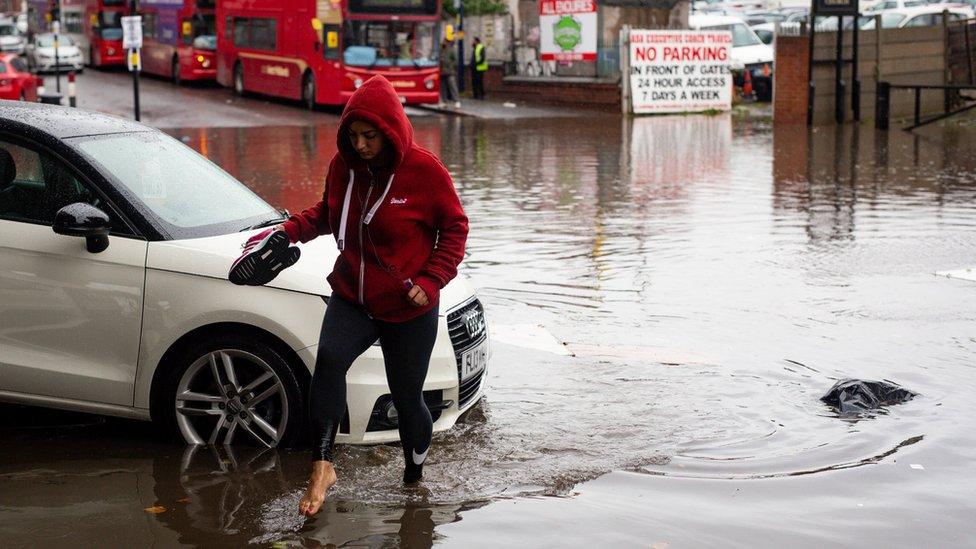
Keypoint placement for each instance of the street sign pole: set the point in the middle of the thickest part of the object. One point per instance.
(132, 43)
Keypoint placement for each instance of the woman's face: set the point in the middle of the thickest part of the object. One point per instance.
(367, 140)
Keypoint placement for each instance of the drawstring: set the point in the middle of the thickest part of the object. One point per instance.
(345, 211)
(345, 208)
(376, 206)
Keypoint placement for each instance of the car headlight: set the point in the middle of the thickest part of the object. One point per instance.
(429, 84)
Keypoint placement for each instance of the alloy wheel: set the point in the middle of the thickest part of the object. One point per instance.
(229, 396)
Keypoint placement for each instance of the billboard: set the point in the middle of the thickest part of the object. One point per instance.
(567, 30)
(680, 71)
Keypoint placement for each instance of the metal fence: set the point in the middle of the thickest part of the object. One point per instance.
(608, 58)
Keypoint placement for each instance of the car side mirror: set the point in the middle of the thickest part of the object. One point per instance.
(80, 219)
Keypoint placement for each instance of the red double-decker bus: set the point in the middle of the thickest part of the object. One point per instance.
(96, 28)
(320, 51)
(178, 39)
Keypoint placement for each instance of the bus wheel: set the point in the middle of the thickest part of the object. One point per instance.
(239, 79)
(176, 71)
(308, 91)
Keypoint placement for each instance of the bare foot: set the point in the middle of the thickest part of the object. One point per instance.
(323, 477)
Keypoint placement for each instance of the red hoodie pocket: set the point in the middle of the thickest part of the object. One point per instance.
(385, 294)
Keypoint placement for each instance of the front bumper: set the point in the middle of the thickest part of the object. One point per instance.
(366, 385)
(44, 65)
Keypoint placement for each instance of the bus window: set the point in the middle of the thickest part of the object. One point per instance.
(201, 28)
(149, 25)
(257, 33)
(389, 43)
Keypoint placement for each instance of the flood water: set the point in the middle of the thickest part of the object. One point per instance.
(668, 299)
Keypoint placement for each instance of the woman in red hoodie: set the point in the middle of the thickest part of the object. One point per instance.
(400, 229)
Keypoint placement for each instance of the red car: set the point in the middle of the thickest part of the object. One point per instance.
(16, 80)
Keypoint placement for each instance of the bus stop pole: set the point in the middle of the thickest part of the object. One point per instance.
(135, 81)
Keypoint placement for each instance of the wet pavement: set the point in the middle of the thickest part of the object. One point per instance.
(668, 299)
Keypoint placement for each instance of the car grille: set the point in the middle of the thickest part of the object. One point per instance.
(462, 340)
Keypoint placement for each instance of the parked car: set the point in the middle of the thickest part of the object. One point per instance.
(115, 242)
(922, 16)
(11, 40)
(747, 50)
(16, 80)
(40, 53)
(894, 5)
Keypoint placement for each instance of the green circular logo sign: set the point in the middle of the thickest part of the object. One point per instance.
(567, 33)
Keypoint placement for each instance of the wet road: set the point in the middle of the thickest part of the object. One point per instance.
(668, 299)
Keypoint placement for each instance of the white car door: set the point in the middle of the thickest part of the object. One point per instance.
(70, 320)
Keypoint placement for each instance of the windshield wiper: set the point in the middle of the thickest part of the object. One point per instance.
(282, 216)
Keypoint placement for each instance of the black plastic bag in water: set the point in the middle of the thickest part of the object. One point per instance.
(855, 395)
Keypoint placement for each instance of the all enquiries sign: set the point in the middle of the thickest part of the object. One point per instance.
(567, 30)
(680, 71)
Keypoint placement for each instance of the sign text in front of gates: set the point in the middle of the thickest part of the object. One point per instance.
(680, 71)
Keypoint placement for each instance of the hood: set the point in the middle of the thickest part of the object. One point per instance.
(11, 40)
(63, 51)
(213, 256)
(376, 102)
(749, 55)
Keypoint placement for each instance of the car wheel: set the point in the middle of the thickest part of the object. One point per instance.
(239, 79)
(308, 91)
(176, 71)
(232, 389)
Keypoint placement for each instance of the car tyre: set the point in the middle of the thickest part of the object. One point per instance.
(308, 91)
(231, 389)
(239, 79)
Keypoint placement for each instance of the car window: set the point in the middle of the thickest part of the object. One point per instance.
(19, 65)
(919, 21)
(891, 20)
(189, 196)
(34, 186)
(741, 34)
(3, 67)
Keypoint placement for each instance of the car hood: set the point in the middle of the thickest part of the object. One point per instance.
(213, 256)
(63, 51)
(11, 40)
(748, 55)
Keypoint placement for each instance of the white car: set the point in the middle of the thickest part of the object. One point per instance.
(40, 54)
(748, 51)
(115, 242)
(922, 16)
(11, 41)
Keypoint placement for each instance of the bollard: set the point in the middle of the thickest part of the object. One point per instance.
(882, 107)
(72, 102)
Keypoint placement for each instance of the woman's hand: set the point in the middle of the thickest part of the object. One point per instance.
(417, 296)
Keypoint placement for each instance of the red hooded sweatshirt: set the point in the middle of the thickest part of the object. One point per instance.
(403, 223)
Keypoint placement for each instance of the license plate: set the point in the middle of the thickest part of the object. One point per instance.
(474, 360)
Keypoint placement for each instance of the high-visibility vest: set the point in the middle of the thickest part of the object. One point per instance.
(479, 53)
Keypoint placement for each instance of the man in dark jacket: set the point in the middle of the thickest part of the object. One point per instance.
(449, 67)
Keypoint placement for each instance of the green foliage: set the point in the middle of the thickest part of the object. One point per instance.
(477, 7)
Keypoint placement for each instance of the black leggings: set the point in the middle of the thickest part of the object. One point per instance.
(346, 333)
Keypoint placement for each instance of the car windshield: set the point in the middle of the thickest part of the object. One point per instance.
(47, 41)
(8, 30)
(188, 195)
(389, 43)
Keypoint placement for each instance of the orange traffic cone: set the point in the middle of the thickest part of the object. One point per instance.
(747, 83)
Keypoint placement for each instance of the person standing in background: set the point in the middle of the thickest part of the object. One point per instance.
(478, 69)
(449, 67)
